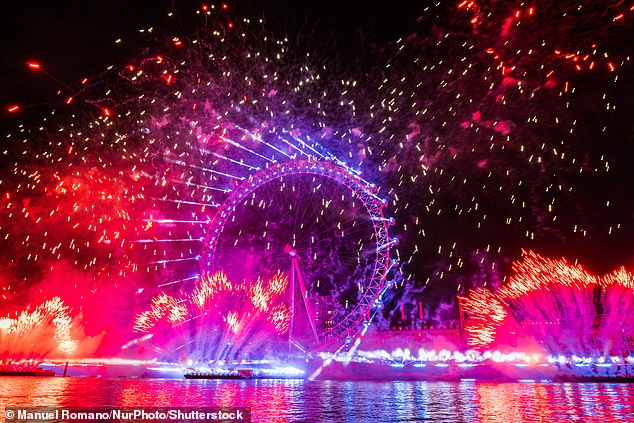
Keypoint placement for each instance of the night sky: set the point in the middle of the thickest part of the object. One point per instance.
(501, 127)
(76, 39)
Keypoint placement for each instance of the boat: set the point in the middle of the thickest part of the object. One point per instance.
(599, 373)
(221, 374)
(30, 372)
(594, 379)
(246, 373)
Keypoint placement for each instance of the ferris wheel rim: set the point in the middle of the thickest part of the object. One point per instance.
(350, 323)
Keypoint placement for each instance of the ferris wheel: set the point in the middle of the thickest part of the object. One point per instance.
(322, 225)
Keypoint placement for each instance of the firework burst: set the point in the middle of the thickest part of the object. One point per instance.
(49, 330)
(219, 320)
(554, 306)
(493, 127)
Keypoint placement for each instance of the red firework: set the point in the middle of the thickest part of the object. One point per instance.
(556, 306)
(219, 319)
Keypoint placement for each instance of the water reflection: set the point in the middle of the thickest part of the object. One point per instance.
(551, 402)
(498, 404)
(33, 391)
(328, 401)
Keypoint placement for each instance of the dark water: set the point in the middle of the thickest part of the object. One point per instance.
(325, 401)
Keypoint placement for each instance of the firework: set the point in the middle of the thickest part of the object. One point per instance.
(49, 330)
(493, 127)
(557, 307)
(219, 320)
(489, 125)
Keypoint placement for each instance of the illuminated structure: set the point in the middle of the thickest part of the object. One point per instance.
(322, 224)
(130, 176)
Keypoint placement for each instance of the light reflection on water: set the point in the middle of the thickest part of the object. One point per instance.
(330, 401)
